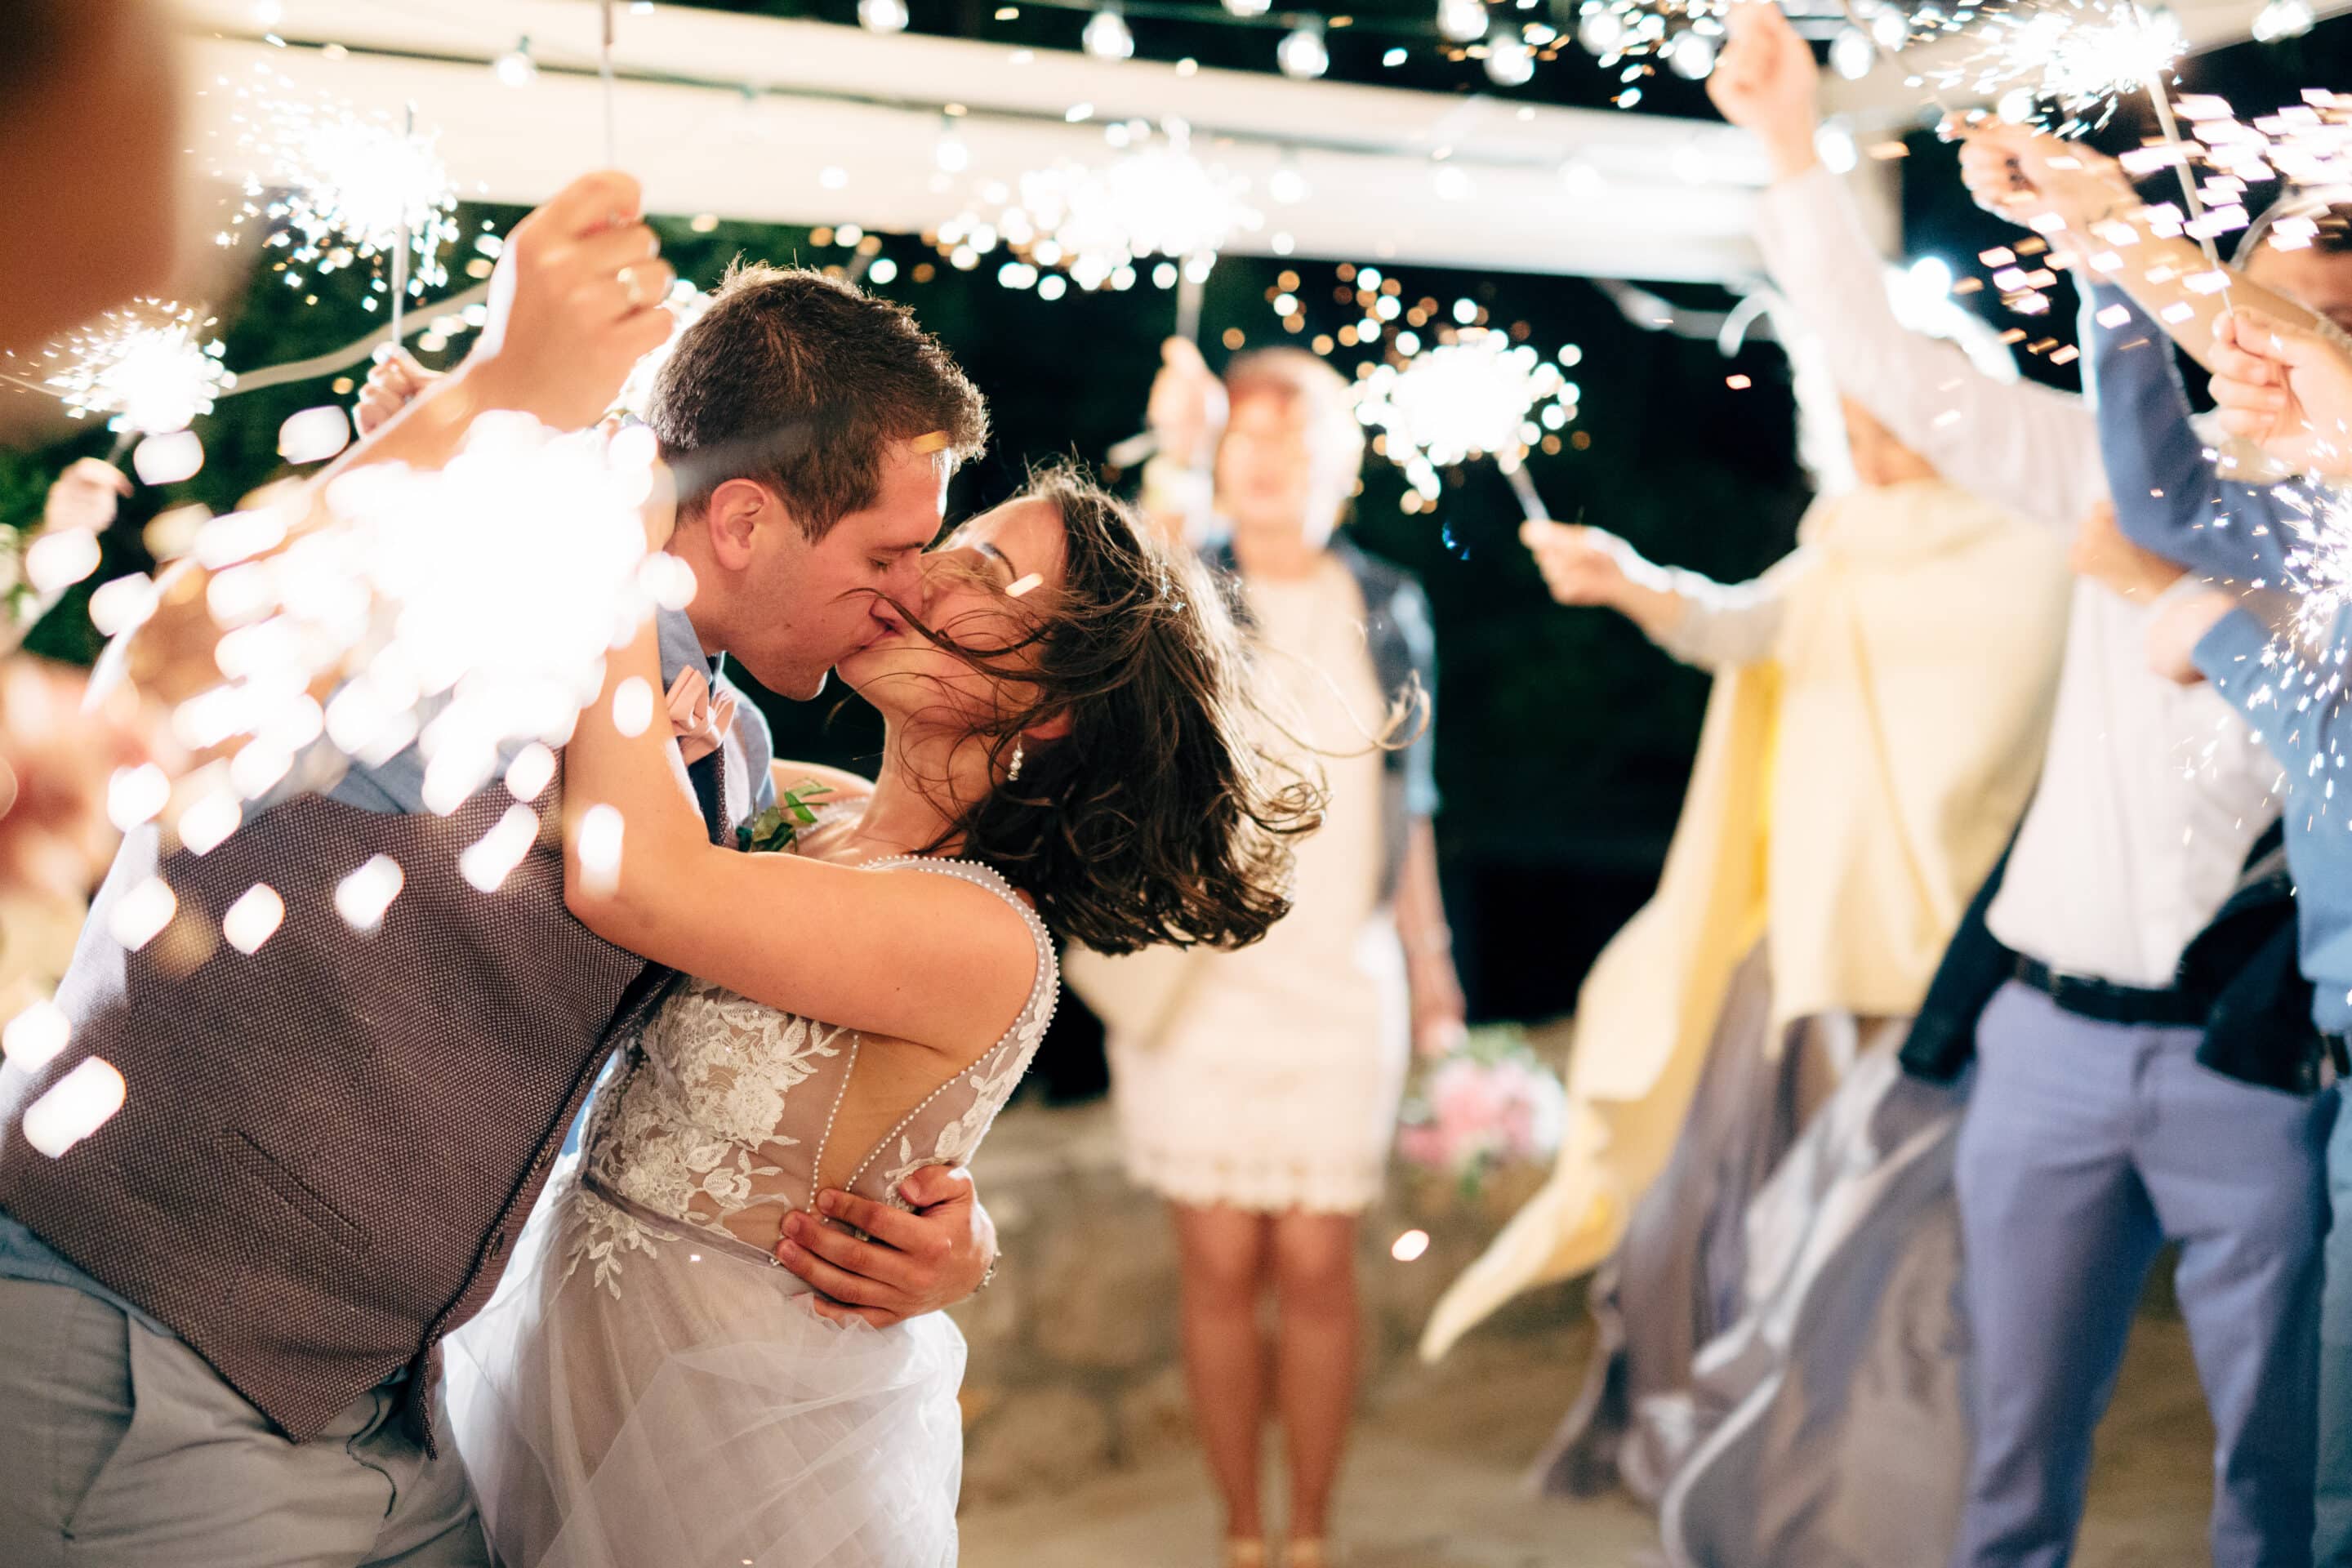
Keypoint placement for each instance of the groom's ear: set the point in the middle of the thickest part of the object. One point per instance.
(737, 509)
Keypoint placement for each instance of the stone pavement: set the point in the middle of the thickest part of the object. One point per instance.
(1434, 1479)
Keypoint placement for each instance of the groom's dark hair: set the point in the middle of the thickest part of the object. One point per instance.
(798, 381)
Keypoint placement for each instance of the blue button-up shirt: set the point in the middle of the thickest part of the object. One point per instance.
(2172, 497)
(398, 786)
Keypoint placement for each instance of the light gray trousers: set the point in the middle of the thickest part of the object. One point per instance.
(123, 1448)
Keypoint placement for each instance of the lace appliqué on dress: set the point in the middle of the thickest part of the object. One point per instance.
(596, 1232)
(696, 1121)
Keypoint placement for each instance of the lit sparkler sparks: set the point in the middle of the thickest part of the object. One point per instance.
(2319, 559)
(1097, 223)
(149, 369)
(2081, 56)
(1477, 395)
(408, 599)
(336, 186)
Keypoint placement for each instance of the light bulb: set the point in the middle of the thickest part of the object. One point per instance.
(950, 151)
(1107, 38)
(2281, 19)
(1510, 61)
(1692, 55)
(1462, 21)
(1597, 31)
(1852, 54)
(882, 16)
(1301, 53)
(1891, 28)
(1249, 7)
(516, 68)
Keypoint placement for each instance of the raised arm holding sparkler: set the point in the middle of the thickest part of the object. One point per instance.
(2028, 447)
(2285, 387)
(2084, 203)
(576, 302)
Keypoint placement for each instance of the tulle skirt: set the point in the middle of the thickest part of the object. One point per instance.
(634, 1398)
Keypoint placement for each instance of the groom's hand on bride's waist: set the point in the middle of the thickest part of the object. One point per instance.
(883, 1265)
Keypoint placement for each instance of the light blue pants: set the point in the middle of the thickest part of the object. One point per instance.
(2085, 1147)
(2331, 1547)
(120, 1447)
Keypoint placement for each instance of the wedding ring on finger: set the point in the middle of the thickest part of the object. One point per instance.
(631, 283)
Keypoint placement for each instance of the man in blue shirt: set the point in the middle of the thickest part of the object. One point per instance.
(2172, 497)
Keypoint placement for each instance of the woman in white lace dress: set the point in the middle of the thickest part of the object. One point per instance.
(1258, 1091)
(648, 1388)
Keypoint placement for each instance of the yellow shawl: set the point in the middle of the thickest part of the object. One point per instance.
(1895, 731)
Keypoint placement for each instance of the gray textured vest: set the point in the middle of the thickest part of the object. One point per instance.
(329, 1145)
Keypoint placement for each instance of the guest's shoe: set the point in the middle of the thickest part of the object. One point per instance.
(1244, 1552)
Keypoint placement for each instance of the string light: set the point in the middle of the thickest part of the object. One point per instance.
(1851, 53)
(1301, 54)
(2281, 19)
(883, 16)
(1510, 61)
(1107, 37)
(516, 68)
(1462, 21)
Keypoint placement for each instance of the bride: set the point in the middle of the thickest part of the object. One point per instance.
(1064, 756)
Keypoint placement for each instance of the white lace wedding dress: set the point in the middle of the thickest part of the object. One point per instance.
(647, 1390)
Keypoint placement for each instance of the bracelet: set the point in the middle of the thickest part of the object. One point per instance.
(989, 1278)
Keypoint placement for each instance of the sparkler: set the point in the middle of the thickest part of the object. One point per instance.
(335, 187)
(407, 596)
(2083, 57)
(148, 368)
(1095, 223)
(1478, 394)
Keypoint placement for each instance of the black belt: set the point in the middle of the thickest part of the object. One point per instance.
(2111, 1003)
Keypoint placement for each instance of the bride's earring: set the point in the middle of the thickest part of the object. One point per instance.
(1014, 772)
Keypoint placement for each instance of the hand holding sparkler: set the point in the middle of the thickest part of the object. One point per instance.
(2178, 625)
(1591, 566)
(2035, 180)
(84, 497)
(391, 386)
(575, 303)
(1187, 411)
(1765, 81)
(2285, 388)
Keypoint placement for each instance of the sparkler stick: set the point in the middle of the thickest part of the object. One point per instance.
(605, 74)
(400, 246)
(1188, 305)
(1524, 486)
(2162, 101)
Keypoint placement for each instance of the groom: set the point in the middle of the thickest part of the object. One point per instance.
(220, 1312)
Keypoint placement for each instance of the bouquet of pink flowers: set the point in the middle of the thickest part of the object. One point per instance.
(1492, 1102)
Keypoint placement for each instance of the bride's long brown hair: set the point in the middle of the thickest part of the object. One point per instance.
(1156, 818)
